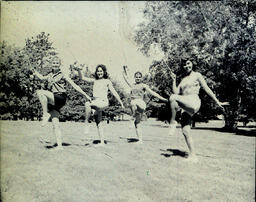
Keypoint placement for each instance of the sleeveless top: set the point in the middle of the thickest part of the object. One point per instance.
(138, 91)
(190, 85)
(100, 89)
(56, 82)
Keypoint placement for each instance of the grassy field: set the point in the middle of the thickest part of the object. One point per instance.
(124, 170)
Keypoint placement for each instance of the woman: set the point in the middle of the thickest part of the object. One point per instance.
(137, 105)
(186, 97)
(54, 99)
(101, 86)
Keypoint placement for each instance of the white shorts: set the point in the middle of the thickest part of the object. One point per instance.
(139, 103)
(195, 104)
(100, 103)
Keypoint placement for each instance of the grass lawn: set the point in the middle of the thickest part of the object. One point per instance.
(123, 170)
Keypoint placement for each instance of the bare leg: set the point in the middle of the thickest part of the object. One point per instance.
(101, 134)
(133, 114)
(56, 130)
(45, 97)
(173, 124)
(186, 132)
(138, 127)
(174, 107)
(188, 103)
(88, 111)
(98, 119)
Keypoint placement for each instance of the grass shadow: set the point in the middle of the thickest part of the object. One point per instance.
(131, 140)
(174, 152)
(98, 141)
(55, 145)
(243, 132)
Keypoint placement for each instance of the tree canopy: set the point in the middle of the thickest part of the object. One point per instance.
(218, 36)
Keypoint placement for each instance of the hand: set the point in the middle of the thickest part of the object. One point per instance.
(221, 104)
(77, 67)
(88, 98)
(165, 100)
(125, 70)
(173, 76)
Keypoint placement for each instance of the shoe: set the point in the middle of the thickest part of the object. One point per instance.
(172, 128)
(46, 118)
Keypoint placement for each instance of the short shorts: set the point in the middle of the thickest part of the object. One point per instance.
(59, 101)
(99, 103)
(139, 103)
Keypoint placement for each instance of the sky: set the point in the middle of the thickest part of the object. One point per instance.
(88, 32)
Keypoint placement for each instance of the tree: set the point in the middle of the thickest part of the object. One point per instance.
(218, 36)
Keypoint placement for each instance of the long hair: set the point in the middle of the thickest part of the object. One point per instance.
(105, 74)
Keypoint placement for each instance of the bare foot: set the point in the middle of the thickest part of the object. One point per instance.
(46, 118)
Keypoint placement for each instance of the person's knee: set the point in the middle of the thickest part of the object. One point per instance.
(173, 97)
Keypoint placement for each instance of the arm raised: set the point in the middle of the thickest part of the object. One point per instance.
(175, 89)
(82, 77)
(124, 73)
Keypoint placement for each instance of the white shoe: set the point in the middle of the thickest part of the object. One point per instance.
(172, 128)
(46, 118)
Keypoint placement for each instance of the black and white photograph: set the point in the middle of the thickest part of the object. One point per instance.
(125, 101)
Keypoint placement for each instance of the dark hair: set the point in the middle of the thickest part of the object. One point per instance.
(103, 67)
(138, 73)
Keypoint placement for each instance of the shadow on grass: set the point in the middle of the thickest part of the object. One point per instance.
(174, 152)
(55, 145)
(98, 141)
(243, 132)
(130, 140)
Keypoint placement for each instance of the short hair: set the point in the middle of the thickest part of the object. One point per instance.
(104, 68)
(138, 73)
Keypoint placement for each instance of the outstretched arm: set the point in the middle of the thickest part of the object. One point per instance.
(155, 94)
(209, 91)
(113, 91)
(126, 77)
(76, 87)
(82, 77)
(40, 76)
